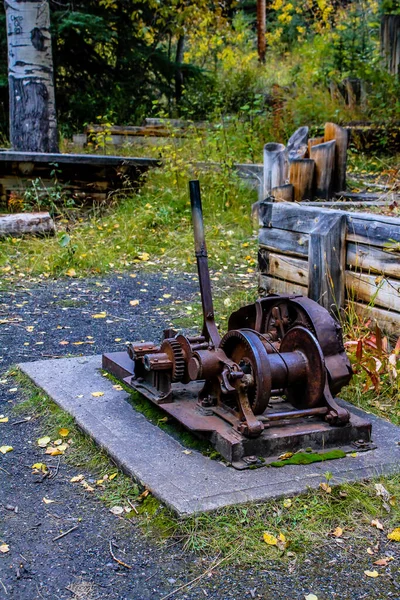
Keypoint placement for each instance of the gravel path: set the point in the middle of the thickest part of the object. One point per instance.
(56, 319)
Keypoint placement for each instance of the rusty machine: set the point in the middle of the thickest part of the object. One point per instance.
(267, 386)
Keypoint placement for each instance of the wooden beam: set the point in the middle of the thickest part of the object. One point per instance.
(324, 158)
(341, 137)
(388, 321)
(274, 167)
(326, 262)
(301, 176)
(369, 259)
(271, 285)
(377, 291)
(291, 242)
(283, 193)
(288, 268)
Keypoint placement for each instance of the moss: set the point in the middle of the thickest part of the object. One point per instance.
(306, 458)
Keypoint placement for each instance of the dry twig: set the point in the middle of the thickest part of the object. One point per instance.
(120, 562)
(58, 537)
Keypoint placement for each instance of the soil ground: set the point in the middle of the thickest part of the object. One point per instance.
(80, 565)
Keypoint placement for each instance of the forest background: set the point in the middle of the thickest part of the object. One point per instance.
(121, 61)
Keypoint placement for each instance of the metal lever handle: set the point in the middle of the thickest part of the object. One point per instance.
(210, 330)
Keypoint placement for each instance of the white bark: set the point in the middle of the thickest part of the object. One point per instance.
(33, 123)
(275, 166)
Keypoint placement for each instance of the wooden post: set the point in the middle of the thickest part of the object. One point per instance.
(297, 144)
(314, 142)
(301, 176)
(19, 224)
(283, 193)
(274, 166)
(324, 157)
(341, 137)
(327, 262)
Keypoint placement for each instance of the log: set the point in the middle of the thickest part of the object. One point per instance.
(327, 262)
(324, 157)
(365, 258)
(274, 167)
(341, 137)
(373, 290)
(297, 144)
(20, 224)
(283, 193)
(291, 242)
(301, 176)
(387, 320)
(287, 268)
(314, 142)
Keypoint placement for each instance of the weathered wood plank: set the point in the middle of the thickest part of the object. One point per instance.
(79, 159)
(283, 193)
(388, 321)
(367, 228)
(291, 242)
(326, 261)
(370, 259)
(373, 290)
(19, 224)
(287, 268)
(270, 285)
(275, 167)
(301, 176)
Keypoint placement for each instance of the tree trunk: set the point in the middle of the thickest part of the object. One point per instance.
(261, 18)
(33, 122)
(390, 43)
(178, 74)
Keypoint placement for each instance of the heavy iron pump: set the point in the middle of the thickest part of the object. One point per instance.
(267, 386)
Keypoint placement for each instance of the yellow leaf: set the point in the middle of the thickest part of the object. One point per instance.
(30, 328)
(113, 476)
(71, 273)
(370, 551)
(117, 387)
(99, 481)
(371, 573)
(4, 548)
(394, 535)
(5, 449)
(48, 501)
(97, 394)
(144, 256)
(63, 432)
(53, 451)
(42, 442)
(76, 478)
(57, 442)
(117, 339)
(286, 455)
(311, 597)
(101, 315)
(269, 539)
(287, 503)
(187, 451)
(324, 486)
(87, 487)
(338, 532)
(64, 343)
(377, 524)
(3, 419)
(132, 275)
(63, 447)
(166, 295)
(40, 467)
(134, 302)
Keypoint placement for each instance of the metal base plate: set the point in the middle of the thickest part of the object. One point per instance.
(293, 435)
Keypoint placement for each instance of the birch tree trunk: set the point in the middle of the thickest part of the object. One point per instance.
(261, 18)
(33, 122)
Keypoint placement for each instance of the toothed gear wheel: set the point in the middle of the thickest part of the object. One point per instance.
(175, 352)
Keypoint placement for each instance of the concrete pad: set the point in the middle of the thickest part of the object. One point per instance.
(190, 483)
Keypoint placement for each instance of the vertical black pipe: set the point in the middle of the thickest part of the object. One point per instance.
(210, 330)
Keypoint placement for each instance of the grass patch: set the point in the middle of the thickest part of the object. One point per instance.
(306, 520)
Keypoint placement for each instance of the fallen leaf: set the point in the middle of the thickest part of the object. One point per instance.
(144, 256)
(394, 535)
(287, 503)
(64, 343)
(383, 562)
(71, 273)
(44, 441)
(77, 478)
(311, 597)
(113, 476)
(270, 539)
(3, 419)
(377, 524)
(166, 295)
(370, 551)
(324, 486)
(5, 449)
(134, 302)
(63, 447)
(186, 452)
(371, 573)
(97, 394)
(117, 387)
(144, 495)
(285, 456)
(282, 543)
(101, 315)
(48, 501)
(4, 548)
(87, 487)
(63, 432)
(40, 467)
(338, 532)
(53, 451)
(57, 442)
(117, 510)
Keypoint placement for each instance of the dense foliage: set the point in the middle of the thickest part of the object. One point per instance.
(119, 61)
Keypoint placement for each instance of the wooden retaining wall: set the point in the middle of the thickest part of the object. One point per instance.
(334, 257)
